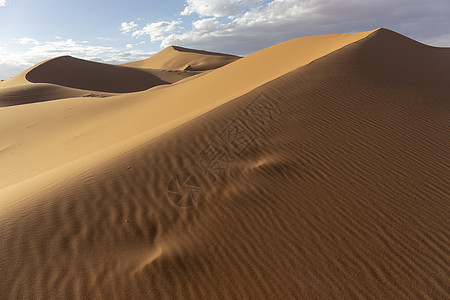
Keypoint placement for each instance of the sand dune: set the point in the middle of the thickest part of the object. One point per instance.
(179, 58)
(321, 175)
(68, 77)
(82, 74)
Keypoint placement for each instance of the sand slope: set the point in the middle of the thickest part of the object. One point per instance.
(179, 58)
(329, 181)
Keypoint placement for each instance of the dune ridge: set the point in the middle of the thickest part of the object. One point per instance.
(340, 192)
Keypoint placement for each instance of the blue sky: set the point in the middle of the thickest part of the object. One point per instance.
(116, 31)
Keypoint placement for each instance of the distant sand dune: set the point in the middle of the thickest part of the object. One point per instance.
(327, 178)
(81, 74)
(179, 58)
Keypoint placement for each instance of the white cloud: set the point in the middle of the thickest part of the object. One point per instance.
(23, 54)
(128, 56)
(266, 23)
(259, 22)
(128, 26)
(70, 47)
(27, 52)
(245, 26)
(157, 30)
(216, 8)
(106, 39)
(3, 2)
(206, 25)
(129, 46)
(26, 40)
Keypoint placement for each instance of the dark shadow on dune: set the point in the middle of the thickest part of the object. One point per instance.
(34, 93)
(13, 102)
(81, 74)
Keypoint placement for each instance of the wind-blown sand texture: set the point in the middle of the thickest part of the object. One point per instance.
(313, 169)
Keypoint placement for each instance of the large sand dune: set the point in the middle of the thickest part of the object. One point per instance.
(316, 168)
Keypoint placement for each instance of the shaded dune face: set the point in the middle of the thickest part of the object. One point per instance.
(391, 59)
(81, 74)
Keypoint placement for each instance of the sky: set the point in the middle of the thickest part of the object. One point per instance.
(119, 31)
